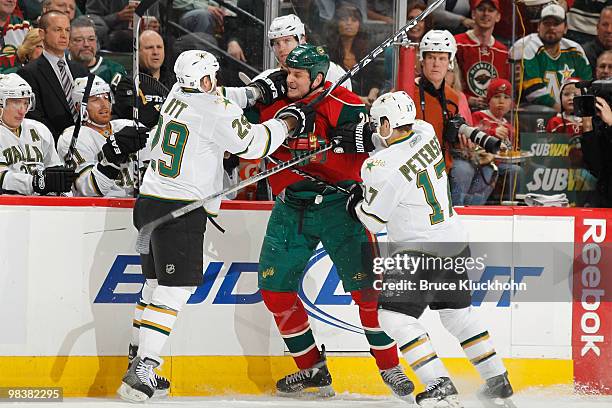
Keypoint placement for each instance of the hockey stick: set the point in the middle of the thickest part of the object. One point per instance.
(317, 180)
(77, 126)
(136, 19)
(144, 234)
(238, 10)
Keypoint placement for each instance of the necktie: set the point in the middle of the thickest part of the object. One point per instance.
(67, 87)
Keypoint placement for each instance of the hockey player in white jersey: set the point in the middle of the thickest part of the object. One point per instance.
(406, 191)
(101, 171)
(196, 126)
(29, 163)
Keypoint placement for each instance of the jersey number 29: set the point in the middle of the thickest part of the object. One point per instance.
(173, 145)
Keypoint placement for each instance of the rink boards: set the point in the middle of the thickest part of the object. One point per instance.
(70, 276)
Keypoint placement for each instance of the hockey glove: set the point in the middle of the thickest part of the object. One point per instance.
(303, 114)
(354, 198)
(120, 145)
(148, 114)
(57, 179)
(272, 87)
(353, 137)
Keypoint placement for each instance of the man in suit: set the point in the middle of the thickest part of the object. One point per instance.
(51, 76)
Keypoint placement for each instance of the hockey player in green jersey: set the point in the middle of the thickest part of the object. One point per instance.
(549, 59)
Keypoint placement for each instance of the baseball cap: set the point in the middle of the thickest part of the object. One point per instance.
(553, 10)
(497, 86)
(476, 3)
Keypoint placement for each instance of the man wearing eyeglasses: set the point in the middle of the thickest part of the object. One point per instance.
(83, 48)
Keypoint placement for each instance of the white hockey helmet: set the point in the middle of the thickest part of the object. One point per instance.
(192, 65)
(438, 41)
(12, 86)
(284, 26)
(397, 107)
(98, 87)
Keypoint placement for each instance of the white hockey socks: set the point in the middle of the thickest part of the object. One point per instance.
(145, 298)
(414, 344)
(475, 340)
(159, 317)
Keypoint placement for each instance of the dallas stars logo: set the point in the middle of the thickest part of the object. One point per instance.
(566, 72)
(370, 165)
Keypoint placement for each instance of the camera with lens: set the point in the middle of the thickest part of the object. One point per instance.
(584, 106)
(456, 125)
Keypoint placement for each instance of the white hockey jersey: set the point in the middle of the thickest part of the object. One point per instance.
(194, 131)
(406, 190)
(88, 153)
(32, 150)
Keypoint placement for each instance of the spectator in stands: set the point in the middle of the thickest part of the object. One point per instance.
(113, 21)
(156, 79)
(29, 164)
(454, 79)
(603, 67)
(55, 110)
(454, 16)
(14, 30)
(480, 56)
(67, 7)
(415, 34)
(565, 121)
(31, 48)
(603, 41)
(349, 47)
(437, 103)
(582, 19)
(199, 16)
(84, 47)
(549, 59)
(493, 122)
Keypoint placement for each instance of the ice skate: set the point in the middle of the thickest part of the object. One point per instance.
(441, 393)
(162, 389)
(313, 381)
(398, 383)
(496, 392)
(139, 383)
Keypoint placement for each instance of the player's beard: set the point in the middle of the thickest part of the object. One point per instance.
(549, 43)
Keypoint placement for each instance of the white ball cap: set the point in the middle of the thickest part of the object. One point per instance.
(553, 10)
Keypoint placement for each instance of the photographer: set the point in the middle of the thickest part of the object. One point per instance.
(597, 150)
(471, 176)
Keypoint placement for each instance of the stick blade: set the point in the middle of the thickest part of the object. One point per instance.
(143, 241)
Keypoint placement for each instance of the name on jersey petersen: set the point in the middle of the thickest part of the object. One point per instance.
(425, 156)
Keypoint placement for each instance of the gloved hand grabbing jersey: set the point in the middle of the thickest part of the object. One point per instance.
(57, 179)
(303, 115)
(120, 145)
(272, 86)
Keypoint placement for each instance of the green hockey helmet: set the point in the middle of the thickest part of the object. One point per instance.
(309, 57)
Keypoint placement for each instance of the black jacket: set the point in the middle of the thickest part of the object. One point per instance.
(597, 153)
(52, 107)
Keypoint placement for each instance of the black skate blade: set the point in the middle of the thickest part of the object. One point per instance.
(311, 393)
(452, 401)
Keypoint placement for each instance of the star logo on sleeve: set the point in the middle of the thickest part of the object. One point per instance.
(224, 101)
(566, 72)
(369, 165)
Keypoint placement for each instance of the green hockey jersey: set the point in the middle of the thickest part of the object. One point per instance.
(543, 74)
